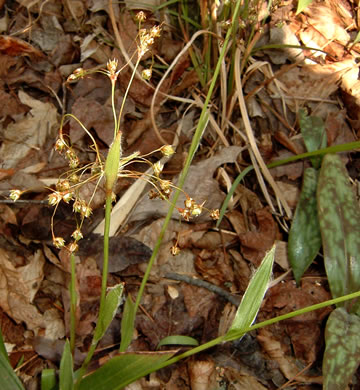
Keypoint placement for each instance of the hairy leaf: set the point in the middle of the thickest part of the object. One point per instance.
(8, 378)
(124, 369)
(304, 237)
(127, 324)
(178, 340)
(302, 4)
(66, 376)
(112, 302)
(339, 217)
(342, 352)
(253, 297)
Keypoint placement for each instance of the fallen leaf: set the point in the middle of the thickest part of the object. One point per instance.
(18, 287)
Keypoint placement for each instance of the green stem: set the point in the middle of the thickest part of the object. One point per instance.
(73, 302)
(93, 346)
(126, 94)
(194, 145)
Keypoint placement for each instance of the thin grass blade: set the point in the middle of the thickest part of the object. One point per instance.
(253, 297)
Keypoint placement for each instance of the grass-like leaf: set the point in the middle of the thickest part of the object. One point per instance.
(127, 324)
(302, 4)
(8, 378)
(178, 340)
(304, 237)
(112, 302)
(342, 352)
(339, 217)
(2, 347)
(48, 379)
(253, 297)
(66, 376)
(123, 369)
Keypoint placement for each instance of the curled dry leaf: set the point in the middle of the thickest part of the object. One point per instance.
(18, 287)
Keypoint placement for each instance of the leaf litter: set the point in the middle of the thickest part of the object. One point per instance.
(42, 44)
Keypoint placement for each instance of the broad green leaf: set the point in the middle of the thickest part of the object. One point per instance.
(342, 352)
(124, 369)
(8, 378)
(48, 379)
(112, 303)
(339, 216)
(302, 4)
(127, 324)
(304, 236)
(178, 340)
(2, 347)
(314, 135)
(66, 376)
(253, 297)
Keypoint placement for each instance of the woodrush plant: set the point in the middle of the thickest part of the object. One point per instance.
(127, 367)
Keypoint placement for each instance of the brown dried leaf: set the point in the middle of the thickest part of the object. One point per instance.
(29, 133)
(18, 287)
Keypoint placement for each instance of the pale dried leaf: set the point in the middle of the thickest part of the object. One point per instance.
(18, 287)
(28, 133)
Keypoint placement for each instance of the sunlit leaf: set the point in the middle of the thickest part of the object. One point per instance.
(253, 297)
(124, 369)
(66, 376)
(339, 216)
(178, 340)
(304, 236)
(112, 302)
(342, 352)
(314, 135)
(8, 378)
(127, 324)
(48, 379)
(302, 4)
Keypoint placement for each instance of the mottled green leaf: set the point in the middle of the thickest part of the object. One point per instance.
(66, 375)
(314, 135)
(304, 236)
(254, 295)
(124, 369)
(339, 217)
(178, 340)
(342, 352)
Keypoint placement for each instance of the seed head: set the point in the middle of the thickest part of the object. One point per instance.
(158, 167)
(73, 247)
(167, 150)
(58, 242)
(140, 16)
(54, 198)
(15, 195)
(77, 235)
(146, 74)
(60, 144)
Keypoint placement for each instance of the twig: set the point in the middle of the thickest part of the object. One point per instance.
(201, 283)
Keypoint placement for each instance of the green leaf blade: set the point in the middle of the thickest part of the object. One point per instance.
(127, 324)
(48, 379)
(314, 135)
(124, 369)
(302, 4)
(178, 340)
(112, 303)
(339, 217)
(304, 237)
(253, 297)
(66, 376)
(342, 352)
(8, 378)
